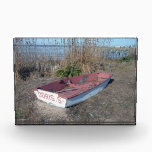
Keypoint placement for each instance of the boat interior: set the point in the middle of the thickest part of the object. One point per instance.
(72, 86)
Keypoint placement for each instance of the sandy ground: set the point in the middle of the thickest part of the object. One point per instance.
(115, 104)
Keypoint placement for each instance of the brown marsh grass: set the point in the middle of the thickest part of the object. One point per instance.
(88, 55)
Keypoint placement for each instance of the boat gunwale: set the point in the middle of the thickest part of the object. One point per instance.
(39, 88)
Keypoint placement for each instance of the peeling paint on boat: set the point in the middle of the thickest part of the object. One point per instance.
(49, 97)
(77, 92)
(87, 94)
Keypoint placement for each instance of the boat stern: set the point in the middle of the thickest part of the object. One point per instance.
(50, 98)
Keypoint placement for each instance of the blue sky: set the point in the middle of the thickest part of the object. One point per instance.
(123, 42)
(101, 41)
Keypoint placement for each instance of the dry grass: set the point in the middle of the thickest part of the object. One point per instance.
(29, 65)
(115, 104)
(89, 57)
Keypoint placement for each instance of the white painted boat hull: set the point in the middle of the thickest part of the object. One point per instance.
(86, 95)
(54, 99)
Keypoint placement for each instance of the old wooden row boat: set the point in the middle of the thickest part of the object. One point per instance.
(70, 91)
